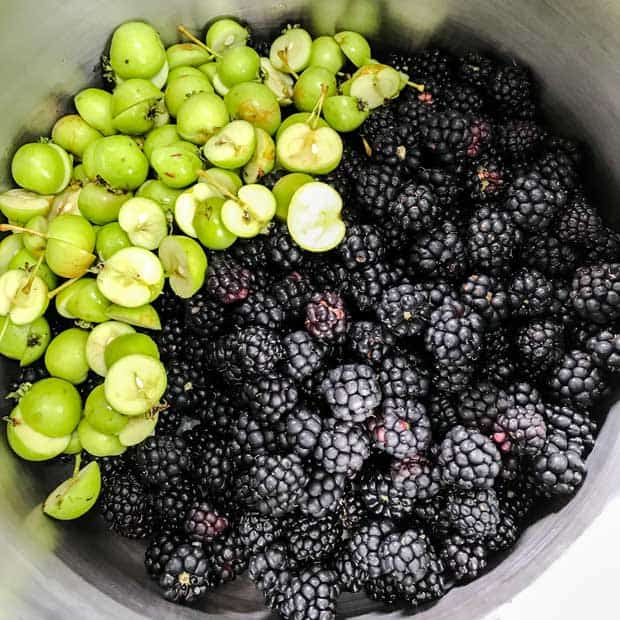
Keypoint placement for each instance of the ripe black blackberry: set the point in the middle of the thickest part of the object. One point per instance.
(269, 398)
(464, 98)
(606, 248)
(604, 347)
(549, 255)
(519, 394)
(475, 514)
(227, 280)
(351, 578)
(352, 392)
(414, 208)
(278, 482)
(487, 178)
(404, 376)
(352, 510)
(375, 189)
(445, 186)
(329, 275)
(282, 251)
(476, 69)
(507, 533)
(560, 167)
(171, 505)
(204, 316)
(381, 499)
(271, 571)
(468, 459)
(493, 241)
(540, 345)
(379, 120)
(258, 531)
(369, 342)
(362, 244)
(162, 460)
(158, 552)
(404, 310)
(497, 363)
(447, 136)
(534, 200)
(510, 91)
(250, 253)
(365, 543)
(303, 428)
(382, 590)
(259, 308)
(314, 539)
(229, 557)
(368, 284)
(405, 555)
(250, 439)
(439, 252)
(578, 426)
(303, 355)
(477, 406)
(521, 430)
(398, 148)
(430, 588)
(402, 429)
(185, 384)
(415, 478)
(323, 494)
(214, 466)
(127, 507)
(171, 338)
(204, 522)
(186, 576)
(518, 138)
(326, 317)
(342, 448)
(293, 293)
(312, 594)
(596, 293)
(464, 559)
(442, 413)
(579, 223)
(486, 296)
(576, 380)
(530, 293)
(218, 412)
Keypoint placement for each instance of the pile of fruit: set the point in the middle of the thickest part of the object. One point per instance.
(382, 309)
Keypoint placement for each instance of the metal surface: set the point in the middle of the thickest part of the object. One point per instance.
(49, 49)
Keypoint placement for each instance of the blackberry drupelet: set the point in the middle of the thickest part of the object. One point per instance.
(381, 499)
(204, 316)
(464, 559)
(258, 531)
(475, 514)
(303, 428)
(440, 252)
(404, 376)
(469, 459)
(558, 470)
(477, 406)
(375, 189)
(576, 380)
(126, 507)
(204, 522)
(352, 392)
(186, 576)
(549, 255)
(314, 539)
(311, 595)
(362, 244)
(293, 293)
(342, 448)
(368, 284)
(486, 296)
(303, 355)
(402, 429)
(596, 293)
(282, 251)
(365, 543)
(397, 147)
(404, 311)
(404, 555)
(414, 208)
(326, 317)
(322, 494)
(540, 345)
(261, 309)
(369, 342)
(530, 293)
(269, 398)
(227, 280)
(521, 430)
(158, 552)
(604, 347)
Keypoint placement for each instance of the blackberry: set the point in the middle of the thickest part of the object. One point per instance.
(303, 355)
(519, 394)
(604, 347)
(382, 590)
(476, 69)
(261, 309)
(516, 497)
(473, 514)
(329, 275)
(353, 512)
(520, 429)
(352, 392)
(269, 398)
(507, 533)
(579, 222)
(375, 189)
(171, 338)
(444, 185)
(214, 466)
(578, 427)
(326, 317)
(379, 120)
(250, 253)
(311, 595)
(257, 531)
(403, 376)
(219, 411)
(605, 249)
(558, 470)
(404, 555)
(431, 64)
(369, 342)
(362, 244)
(486, 296)
(511, 91)
(442, 413)
(439, 252)
(397, 147)
(596, 293)
(229, 557)
(493, 241)
(278, 482)
(314, 539)
(127, 507)
(204, 316)
(186, 577)
(293, 293)
(487, 178)
(534, 201)
(158, 552)
(351, 578)
(227, 280)
(540, 345)
(403, 429)
(323, 494)
(518, 138)
(282, 251)
(448, 136)
(549, 255)
(271, 570)
(382, 499)
(368, 284)
(464, 559)
(110, 466)
(414, 208)
(167, 304)
(162, 460)
(464, 99)
(303, 428)
(477, 406)
(530, 293)
(342, 448)
(204, 523)
(403, 310)
(250, 439)
(576, 380)
(365, 543)
(185, 384)
(415, 478)
(171, 505)
(430, 588)
(340, 180)
(468, 459)
(560, 167)
(498, 363)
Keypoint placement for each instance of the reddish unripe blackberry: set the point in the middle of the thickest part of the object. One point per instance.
(204, 522)
(326, 317)
(227, 280)
(521, 430)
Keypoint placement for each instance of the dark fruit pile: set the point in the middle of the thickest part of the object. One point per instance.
(383, 418)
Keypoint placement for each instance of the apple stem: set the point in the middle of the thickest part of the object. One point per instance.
(3, 332)
(313, 119)
(194, 39)
(63, 286)
(367, 147)
(283, 55)
(33, 275)
(13, 228)
(418, 87)
(76, 466)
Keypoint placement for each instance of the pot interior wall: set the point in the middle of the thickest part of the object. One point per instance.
(50, 50)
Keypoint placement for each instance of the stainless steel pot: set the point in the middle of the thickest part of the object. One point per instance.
(49, 49)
